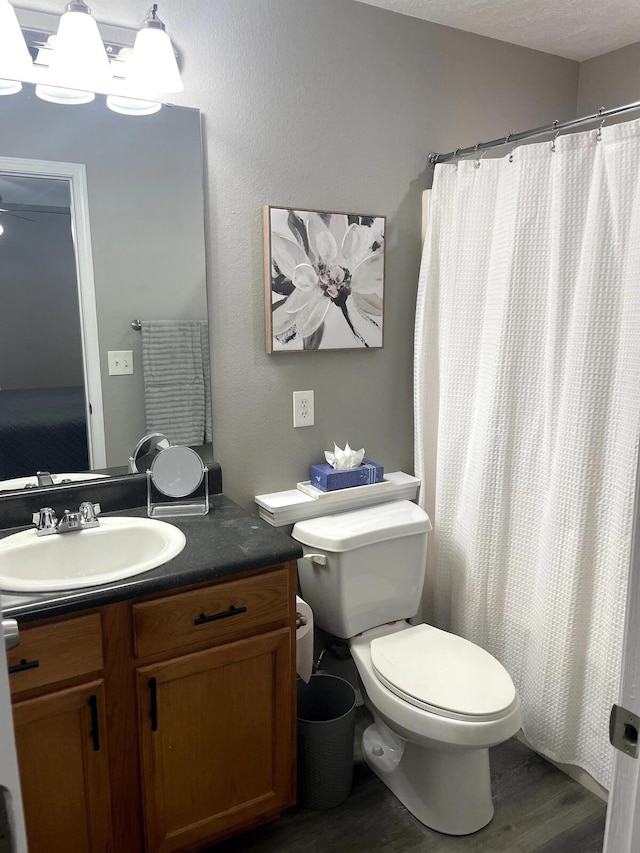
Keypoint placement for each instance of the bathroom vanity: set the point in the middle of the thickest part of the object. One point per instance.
(158, 714)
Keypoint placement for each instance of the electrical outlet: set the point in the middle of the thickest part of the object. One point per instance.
(302, 408)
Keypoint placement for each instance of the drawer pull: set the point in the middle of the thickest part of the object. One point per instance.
(24, 665)
(232, 611)
(153, 703)
(95, 724)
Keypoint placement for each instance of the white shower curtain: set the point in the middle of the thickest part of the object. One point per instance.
(527, 394)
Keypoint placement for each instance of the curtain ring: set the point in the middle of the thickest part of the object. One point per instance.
(599, 130)
(553, 144)
(511, 153)
(477, 163)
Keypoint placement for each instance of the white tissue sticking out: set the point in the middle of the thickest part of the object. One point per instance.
(341, 460)
(304, 640)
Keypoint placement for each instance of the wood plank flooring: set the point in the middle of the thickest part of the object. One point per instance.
(537, 808)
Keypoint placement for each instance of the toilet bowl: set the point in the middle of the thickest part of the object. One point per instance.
(435, 759)
(438, 701)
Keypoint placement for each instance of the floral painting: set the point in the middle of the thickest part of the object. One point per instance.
(324, 275)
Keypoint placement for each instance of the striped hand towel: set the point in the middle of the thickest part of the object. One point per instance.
(177, 394)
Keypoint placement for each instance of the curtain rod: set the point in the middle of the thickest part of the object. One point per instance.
(556, 125)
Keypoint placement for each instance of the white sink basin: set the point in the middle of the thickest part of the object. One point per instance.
(117, 549)
(23, 482)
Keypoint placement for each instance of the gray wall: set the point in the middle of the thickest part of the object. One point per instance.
(329, 105)
(610, 80)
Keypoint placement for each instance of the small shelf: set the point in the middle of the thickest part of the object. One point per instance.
(284, 508)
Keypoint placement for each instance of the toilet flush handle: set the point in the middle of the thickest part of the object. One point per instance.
(320, 559)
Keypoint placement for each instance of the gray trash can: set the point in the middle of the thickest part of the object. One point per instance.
(326, 718)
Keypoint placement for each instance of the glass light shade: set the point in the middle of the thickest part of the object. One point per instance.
(15, 60)
(9, 87)
(78, 62)
(1, 230)
(132, 106)
(44, 52)
(61, 95)
(152, 66)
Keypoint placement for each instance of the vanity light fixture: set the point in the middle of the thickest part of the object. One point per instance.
(15, 61)
(77, 57)
(153, 66)
(84, 58)
(149, 68)
(1, 230)
(132, 106)
(125, 104)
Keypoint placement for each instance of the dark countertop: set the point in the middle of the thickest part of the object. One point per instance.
(226, 542)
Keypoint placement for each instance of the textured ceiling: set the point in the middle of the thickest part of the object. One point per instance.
(575, 29)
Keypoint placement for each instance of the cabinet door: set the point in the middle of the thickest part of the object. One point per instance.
(215, 738)
(64, 775)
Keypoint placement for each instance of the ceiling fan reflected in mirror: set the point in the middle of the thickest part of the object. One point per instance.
(27, 212)
(7, 209)
(31, 198)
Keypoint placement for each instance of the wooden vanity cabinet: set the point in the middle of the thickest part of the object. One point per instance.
(61, 736)
(195, 693)
(215, 724)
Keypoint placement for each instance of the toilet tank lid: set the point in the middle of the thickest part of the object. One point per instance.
(348, 530)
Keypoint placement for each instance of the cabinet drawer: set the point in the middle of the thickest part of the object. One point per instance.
(226, 611)
(48, 654)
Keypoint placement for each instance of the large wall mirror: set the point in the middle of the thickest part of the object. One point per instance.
(135, 242)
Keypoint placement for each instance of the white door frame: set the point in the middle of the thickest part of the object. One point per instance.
(622, 833)
(75, 174)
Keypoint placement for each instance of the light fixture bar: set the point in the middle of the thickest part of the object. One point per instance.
(37, 41)
(38, 26)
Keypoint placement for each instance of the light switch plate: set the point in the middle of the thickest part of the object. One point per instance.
(120, 362)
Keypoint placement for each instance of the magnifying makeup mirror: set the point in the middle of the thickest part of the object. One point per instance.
(177, 472)
(146, 451)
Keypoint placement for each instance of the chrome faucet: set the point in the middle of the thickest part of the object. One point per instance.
(46, 521)
(43, 478)
(69, 522)
(89, 513)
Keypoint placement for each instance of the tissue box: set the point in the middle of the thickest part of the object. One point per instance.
(327, 479)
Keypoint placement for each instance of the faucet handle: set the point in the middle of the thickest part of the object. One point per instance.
(89, 513)
(45, 521)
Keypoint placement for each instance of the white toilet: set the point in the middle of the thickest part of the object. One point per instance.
(438, 701)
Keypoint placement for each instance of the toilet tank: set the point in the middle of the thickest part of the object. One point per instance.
(364, 567)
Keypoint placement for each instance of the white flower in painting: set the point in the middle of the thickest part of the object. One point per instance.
(330, 265)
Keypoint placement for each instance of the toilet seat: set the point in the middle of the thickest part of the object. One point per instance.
(442, 673)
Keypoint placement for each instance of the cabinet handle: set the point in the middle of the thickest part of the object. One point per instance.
(24, 665)
(95, 724)
(232, 611)
(153, 704)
